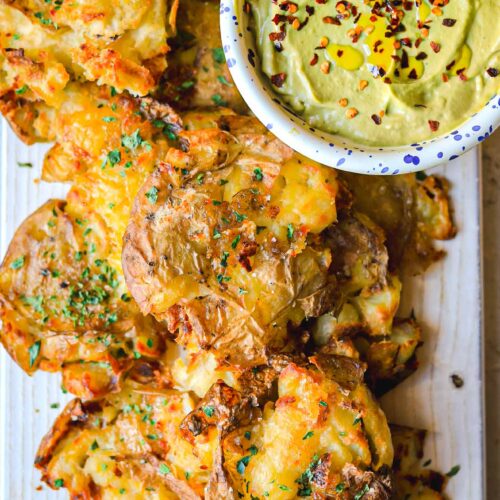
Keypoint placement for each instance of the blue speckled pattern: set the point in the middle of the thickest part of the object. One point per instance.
(333, 150)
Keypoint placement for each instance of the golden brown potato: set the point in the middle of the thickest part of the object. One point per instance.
(148, 442)
(119, 44)
(412, 479)
(197, 74)
(413, 210)
(223, 241)
(64, 307)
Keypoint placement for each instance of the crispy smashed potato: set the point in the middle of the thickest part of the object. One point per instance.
(197, 74)
(158, 443)
(63, 306)
(412, 479)
(44, 46)
(223, 242)
(413, 210)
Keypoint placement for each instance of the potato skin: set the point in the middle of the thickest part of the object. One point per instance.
(216, 247)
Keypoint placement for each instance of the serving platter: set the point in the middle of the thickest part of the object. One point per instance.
(447, 300)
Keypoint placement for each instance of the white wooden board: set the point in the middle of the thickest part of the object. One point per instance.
(447, 299)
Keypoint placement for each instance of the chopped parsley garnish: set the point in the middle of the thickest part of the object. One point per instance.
(217, 234)
(18, 263)
(54, 406)
(242, 291)
(59, 483)
(223, 261)
(152, 195)
(122, 491)
(236, 240)
(290, 231)
(307, 435)
(357, 420)
(113, 157)
(247, 435)
(218, 55)
(22, 90)
(239, 217)
(94, 445)
(283, 487)
(222, 182)
(453, 471)
(427, 463)
(208, 411)
(113, 91)
(149, 343)
(26, 164)
(186, 85)
(360, 494)
(199, 178)
(16, 36)
(109, 119)
(34, 352)
(187, 475)
(222, 79)
(258, 174)
(216, 203)
(242, 464)
(218, 100)
(323, 403)
(340, 487)
(164, 469)
(133, 141)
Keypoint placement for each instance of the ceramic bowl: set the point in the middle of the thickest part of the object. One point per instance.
(333, 150)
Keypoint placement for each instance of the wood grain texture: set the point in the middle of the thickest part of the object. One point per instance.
(447, 300)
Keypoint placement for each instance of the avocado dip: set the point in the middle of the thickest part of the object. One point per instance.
(380, 73)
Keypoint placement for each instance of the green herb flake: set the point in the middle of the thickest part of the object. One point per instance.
(122, 491)
(218, 55)
(34, 351)
(242, 291)
(360, 494)
(16, 36)
(223, 261)
(453, 471)
(54, 406)
(307, 435)
(218, 100)
(109, 119)
(239, 217)
(113, 91)
(247, 435)
(187, 475)
(152, 195)
(59, 483)
(208, 411)
(323, 403)
(283, 487)
(22, 90)
(222, 79)
(164, 469)
(199, 178)
(18, 263)
(216, 234)
(340, 487)
(290, 231)
(113, 157)
(242, 464)
(94, 445)
(149, 343)
(258, 174)
(235, 242)
(24, 164)
(357, 420)
(427, 463)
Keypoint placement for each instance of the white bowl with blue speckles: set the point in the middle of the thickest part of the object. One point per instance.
(333, 150)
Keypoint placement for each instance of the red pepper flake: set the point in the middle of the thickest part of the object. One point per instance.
(247, 7)
(418, 41)
(449, 22)
(405, 61)
(434, 125)
(413, 74)
(462, 75)
(314, 60)
(310, 9)
(387, 80)
(493, 72)
(421, 56)
(331, 20)
(278, 80)
(277, 37)
(279, 18)
(406, 42)
(436, 47)
(321, 1)
(444, 77)
(449, 66)
(377, 119)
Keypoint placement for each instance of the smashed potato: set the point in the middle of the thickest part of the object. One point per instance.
(63, 306)
(44, 46)
(147, 442)
(223, 242)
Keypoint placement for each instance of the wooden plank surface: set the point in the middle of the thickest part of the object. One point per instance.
(447, 300)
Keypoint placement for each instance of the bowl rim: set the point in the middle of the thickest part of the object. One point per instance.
(328, 149)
